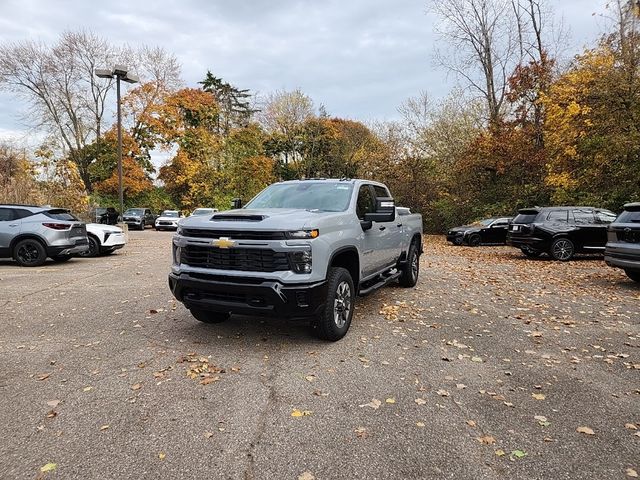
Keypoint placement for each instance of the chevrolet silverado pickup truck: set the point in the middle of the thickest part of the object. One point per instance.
(298, 249)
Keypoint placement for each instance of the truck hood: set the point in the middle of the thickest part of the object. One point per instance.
(258, 219)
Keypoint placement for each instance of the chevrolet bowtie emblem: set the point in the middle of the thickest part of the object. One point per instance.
(223, 242)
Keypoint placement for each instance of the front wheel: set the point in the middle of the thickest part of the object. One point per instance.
(562, 249)
(335, 319)
(633, 275)
(474, 240)
(411, 268)
(94, 248)
(206, 316)
(29, 253)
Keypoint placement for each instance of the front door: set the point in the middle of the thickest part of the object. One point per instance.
(371, 256)
(9, 228)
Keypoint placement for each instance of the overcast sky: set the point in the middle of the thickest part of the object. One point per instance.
(358, 58)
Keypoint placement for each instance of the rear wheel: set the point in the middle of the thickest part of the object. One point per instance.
(206, 316)
(411, 268)
(474, 240)
(633, 275)
(29, 253)
(335, 319)
(562, 249)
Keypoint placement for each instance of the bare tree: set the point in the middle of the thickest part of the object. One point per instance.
(59, 85)
(483, 46)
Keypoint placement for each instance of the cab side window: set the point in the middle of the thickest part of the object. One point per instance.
(6, 214)
(381, 192)
(365, 203)
(558, 216)
(583, 217)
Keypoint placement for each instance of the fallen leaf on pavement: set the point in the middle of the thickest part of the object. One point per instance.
(476, 359)
(500, 453)
(104, 427)
(44, 376)
(208, 434)
(585, 430)
(538, 396)
(471, 423)
(310, 378)
(631, 473)
(630, 426)
(87, 389)
(361, 432)
(208, 380)
(375, 404)
(420, 424)
(443, 393)
(518, 454)
(162, 455)
(390, 400)
(53, 403)
(487, 440)
(301, 413)
(420, 401)
(306, 476)
(136, 386)
(49, 467)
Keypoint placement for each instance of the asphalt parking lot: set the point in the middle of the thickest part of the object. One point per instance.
(494, 366)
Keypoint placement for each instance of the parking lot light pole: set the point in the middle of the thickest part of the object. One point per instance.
(119, 72)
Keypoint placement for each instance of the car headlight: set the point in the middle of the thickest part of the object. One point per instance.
(300, 234)
(179, 230)
(301, 261)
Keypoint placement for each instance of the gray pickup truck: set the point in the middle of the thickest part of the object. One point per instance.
(302, 249)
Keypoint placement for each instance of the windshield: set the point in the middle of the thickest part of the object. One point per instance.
(526, 217)
(323, 196)
(203, 211)
(134, 211)
(629, 216)
(170, 213)
(485, 222)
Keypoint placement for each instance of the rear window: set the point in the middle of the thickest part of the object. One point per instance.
(60, 214)
(525, 217)
(629, 216)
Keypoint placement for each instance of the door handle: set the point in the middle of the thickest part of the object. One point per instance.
(14, 224)
(383, 228)
(399, 225)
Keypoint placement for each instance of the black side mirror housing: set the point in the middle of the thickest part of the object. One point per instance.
(385, 211)
(366, 225)
(236, 203)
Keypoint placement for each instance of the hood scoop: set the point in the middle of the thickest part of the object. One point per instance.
(238, 218)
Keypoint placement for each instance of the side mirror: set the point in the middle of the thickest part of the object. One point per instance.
(385, 211)
(236, 203)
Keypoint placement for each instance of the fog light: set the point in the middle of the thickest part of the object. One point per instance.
(301, 261)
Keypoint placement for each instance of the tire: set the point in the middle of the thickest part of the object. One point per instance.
(206, 316)
(94, 248)
(530, 253)
(457, 241)
(61, 258)
(474, 240)
(29, 253)
(411, 269)
(562, 249)
(633, 275)
(142, 225)
(335, 319)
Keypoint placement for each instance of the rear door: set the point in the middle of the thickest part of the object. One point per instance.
(497, 231)
(589, 234)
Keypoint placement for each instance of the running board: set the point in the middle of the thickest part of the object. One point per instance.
(381, 283)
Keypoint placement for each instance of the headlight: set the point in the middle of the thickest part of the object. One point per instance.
(301, 261)
(298, 234)
(179, 230)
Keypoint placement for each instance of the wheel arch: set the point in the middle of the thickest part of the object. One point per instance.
(26, 236)
(348, 258)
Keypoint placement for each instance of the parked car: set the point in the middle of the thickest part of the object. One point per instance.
(109, 216)
(103, 239)
(302, 248)
(138, 218)
(490, 231)
(168, 220)
(560, 231)
(203, 211)
(623, 247)
(29, 234)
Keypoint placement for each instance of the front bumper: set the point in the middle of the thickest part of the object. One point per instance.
(452, 236)
(248, 296)
(114, 240)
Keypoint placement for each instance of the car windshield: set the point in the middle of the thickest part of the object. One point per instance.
(60, 214)
(323, 196)
(170, 213)
(629, 216)
(525, 217)
(134, 211)
(203, 211)
(485, 222)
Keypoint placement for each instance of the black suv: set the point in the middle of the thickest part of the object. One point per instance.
(623, 247)
(491, 231)
(560, 231)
